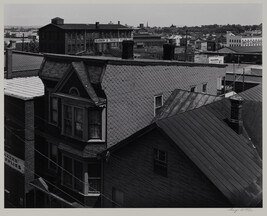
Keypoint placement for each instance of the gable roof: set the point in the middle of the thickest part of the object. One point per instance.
(226, 158)
(77, 26)
(80, 70)
(181, 101)
(253, 94)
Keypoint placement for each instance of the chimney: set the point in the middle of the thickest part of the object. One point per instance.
(119, 22)
(168, 51)
(236, 121)
(97, 25)
(9, 63)
(11, 46)
(57, 21)
(127, 49)
(141, 25)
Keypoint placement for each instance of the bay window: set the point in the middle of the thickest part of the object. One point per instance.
(83, 123)
(53, 110)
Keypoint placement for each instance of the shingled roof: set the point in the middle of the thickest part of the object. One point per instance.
(226, 158)
(181, 101)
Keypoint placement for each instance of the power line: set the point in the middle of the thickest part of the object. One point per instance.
(61, 167)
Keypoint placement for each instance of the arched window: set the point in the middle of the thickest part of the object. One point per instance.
(74, 91)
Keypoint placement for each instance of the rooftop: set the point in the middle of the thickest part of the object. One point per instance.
(182, 101)
(253, 94)
(75, 26)
(229, 160)
(25, 61)
(25, 88)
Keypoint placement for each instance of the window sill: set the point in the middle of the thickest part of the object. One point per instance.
(95, 140)
(90, 194)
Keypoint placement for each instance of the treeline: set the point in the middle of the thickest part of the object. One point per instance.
(205, 29)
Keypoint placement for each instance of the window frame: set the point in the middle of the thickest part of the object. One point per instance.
(193, 87)
(160, 167)
(155, 103)
(50, 112)
(206, 87)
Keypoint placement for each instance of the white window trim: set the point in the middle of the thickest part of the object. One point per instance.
(155, 107)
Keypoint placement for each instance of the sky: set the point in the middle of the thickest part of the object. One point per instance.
(134, 14)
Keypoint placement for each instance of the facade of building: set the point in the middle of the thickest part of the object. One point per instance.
(243, 40)
(147, 40)
(89, 102)
(61, 38)
(186, 158)
(22, 102)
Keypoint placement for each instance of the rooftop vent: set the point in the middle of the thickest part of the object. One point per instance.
(57, 21)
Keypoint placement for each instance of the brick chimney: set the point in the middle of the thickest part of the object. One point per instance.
(57, 21)
(119, 22)
(127, 49)
(97, 25)
(168, 51)
(236, 114)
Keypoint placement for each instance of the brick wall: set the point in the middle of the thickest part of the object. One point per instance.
(130, 170)
(130, 91)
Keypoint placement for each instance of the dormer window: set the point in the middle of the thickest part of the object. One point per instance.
(158, 103)
(74, 91)
(95, 123)
(53, 110)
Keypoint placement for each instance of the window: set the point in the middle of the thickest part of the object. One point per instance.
(52, 155)
(158, 102)
(54, 110)
(94, 174)
(204, 87)
(72, 176)
(117, 198)
(95, 124)
(193, 89)
(160, 162)
(73, 121)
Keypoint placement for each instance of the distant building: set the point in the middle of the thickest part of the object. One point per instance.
(61, 38)
(205, 58)
(147, 40)
(242, 40)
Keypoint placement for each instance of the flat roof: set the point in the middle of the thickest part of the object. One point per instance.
(25, 88)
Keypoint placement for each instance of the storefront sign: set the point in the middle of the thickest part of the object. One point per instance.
(14, 162)
(111, 40)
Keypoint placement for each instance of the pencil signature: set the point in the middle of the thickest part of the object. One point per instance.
(235, 210)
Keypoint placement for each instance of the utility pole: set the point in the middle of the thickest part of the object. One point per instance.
(243, 89)
(234, 77)
(22, 47)
(185, 51)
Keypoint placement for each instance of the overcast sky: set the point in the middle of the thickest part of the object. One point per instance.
(134, 14)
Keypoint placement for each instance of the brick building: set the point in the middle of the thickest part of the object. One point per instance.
(188, 157)
(92, 103)
(22, 102)
(58, 37)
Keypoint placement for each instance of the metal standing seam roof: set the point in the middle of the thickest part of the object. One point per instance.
(24, 88)
(225, 157)
(181, 101)
(253, 94)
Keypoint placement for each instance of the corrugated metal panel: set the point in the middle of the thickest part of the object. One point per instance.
(25, 88)
(225, 157)
(253, 94)
(182, 101)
